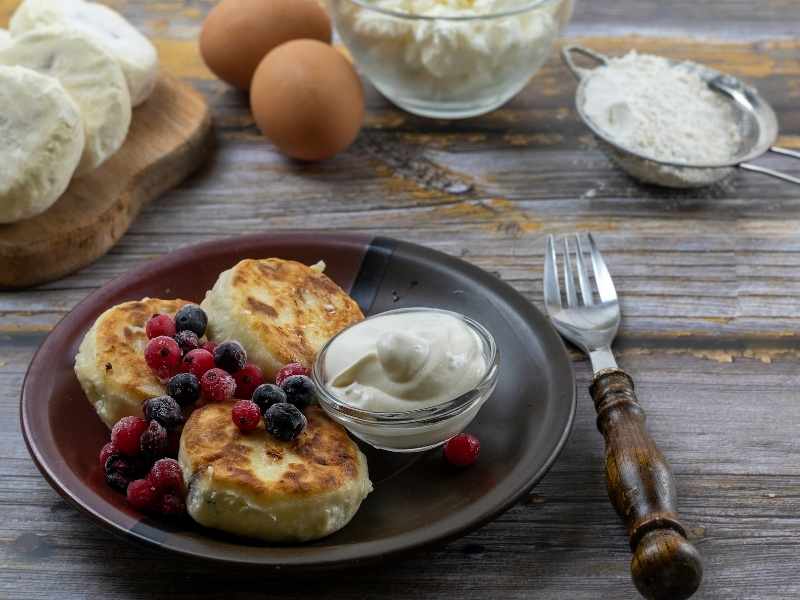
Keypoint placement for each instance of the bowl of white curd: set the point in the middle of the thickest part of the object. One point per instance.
(407, 380)
(449, 58)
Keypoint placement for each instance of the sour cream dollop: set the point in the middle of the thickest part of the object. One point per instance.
(404, 361)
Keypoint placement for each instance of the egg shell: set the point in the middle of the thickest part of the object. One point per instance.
(237, 34)
(307, 99)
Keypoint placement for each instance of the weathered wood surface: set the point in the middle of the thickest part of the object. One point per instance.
(709, 283)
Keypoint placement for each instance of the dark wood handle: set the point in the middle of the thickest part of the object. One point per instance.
(641, 487)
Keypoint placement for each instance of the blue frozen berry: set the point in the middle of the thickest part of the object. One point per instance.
(185, 388)
(187, 340)
(268, 394)
(192, 318)
(285, 421)
(165, 410)
(230, 356)
(300, 390)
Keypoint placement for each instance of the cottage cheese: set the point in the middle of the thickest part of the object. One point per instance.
(439, 59)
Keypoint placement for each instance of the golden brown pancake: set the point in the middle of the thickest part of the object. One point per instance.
(110, 362)
(254, 485)
(282, 311)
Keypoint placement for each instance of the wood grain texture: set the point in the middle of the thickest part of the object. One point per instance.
(168, 140)
(641, 487)
(708, 281)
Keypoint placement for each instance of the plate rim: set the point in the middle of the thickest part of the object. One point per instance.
(136, 530)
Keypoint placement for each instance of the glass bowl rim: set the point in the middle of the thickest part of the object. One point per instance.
(510, 12)
(417, 416)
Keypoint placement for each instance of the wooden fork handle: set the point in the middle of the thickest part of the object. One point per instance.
(641, 487)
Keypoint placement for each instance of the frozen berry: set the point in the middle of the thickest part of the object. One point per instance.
(172, 505)
(120, 470)
(187, 341)
(191, 317)
(284, 421)
(185, 388)
(289, 370)
(197, 362)
(163, 356)
(247, 380)
(217, 385)
(126, 433)
(159, 325)
(268, 394)
(165, 410)
(230, 356)
(107, 451)
(167, 477)
(210, 346)
(300, 390)
(462, 450)
(142, 495)
(154, 441)
(246, 415)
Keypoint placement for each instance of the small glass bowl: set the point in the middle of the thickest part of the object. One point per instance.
(419, 429)
(448, 65)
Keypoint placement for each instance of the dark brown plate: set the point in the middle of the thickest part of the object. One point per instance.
(417, 500)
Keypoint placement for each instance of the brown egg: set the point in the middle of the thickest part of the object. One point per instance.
(237, 34)
(307, 98)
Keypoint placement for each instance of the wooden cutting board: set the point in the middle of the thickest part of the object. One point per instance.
(169, 137)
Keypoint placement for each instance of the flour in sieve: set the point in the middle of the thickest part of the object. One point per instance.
(665, 111)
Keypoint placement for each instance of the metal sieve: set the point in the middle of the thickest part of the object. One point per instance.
(756, 121)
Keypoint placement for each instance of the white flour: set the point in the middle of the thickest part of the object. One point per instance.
(667, 112)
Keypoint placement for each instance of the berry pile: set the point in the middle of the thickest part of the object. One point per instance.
(139, 459)
(280, 404)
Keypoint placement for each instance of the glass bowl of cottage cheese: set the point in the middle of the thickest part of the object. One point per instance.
(449, 58)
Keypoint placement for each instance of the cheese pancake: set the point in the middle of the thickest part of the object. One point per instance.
(281, 311)
(110, 362)
(255, 485)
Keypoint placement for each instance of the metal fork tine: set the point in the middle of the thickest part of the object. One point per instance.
(583, 276)
(569, 281)
(605, 285)
(552, 291)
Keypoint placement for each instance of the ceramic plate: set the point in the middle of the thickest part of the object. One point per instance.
(417, 500)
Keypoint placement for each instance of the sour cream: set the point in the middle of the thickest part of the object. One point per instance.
(403, 361)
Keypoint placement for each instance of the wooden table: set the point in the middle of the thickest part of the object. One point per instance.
(709, 283)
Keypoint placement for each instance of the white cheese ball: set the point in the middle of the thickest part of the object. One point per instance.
(90, 75)
(135, 54)
(43, 140)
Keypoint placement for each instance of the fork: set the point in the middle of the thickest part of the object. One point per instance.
(640, 484)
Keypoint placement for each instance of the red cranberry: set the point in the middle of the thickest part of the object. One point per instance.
(290, 370)
(107, 451)
(462, 450)
(167, 477)
(247, 380)
(172, 505)
(159, 325)
(246, 415)
(197, 362)
(142, 495)
(210, 346)
(163, 356)
(126, 434)
(217, 385)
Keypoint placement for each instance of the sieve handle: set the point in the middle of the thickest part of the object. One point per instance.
(580, 72)
(785, 151)
(772, 172)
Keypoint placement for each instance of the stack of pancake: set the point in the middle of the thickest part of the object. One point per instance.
(250, 484)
